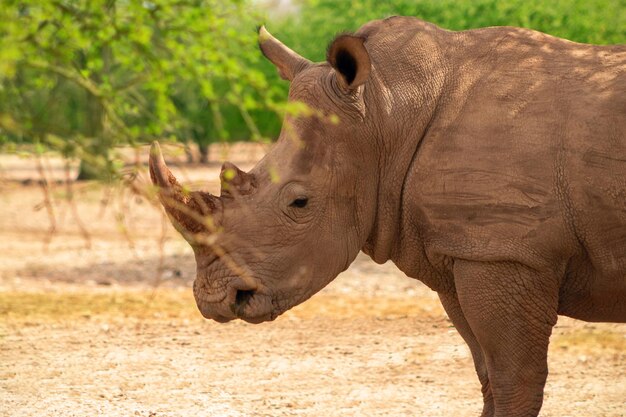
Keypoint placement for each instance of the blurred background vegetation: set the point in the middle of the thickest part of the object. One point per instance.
(83, 77)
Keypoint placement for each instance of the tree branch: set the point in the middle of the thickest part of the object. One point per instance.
(67, 74)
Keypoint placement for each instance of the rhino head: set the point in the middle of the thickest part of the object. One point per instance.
(281, 232)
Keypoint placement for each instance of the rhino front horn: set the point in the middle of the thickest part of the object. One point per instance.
(159, 173)
(190, 212)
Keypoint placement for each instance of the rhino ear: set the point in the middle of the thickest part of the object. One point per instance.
(348, 56)
(288, 63)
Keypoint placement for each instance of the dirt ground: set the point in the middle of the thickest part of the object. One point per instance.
(102, 322)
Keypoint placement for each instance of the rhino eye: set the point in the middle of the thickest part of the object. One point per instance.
(299, 202)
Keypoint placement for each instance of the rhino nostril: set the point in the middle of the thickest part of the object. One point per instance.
(243, 296)
(241, 300)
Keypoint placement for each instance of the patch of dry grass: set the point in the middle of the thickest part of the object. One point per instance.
(61, 306)
(589, 339)
(51, 306)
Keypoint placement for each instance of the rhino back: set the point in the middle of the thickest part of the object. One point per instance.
(525, 159)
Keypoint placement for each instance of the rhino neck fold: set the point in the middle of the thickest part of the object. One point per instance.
(417, 103)
(384, 242)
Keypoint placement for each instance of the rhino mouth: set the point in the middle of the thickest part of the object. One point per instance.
(250, 302)
(252, 306)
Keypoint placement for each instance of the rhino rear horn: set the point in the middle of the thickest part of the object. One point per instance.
(288, 62)
(235, 181)
(191, 212)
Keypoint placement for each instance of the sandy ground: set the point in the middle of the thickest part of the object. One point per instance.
(107, 325)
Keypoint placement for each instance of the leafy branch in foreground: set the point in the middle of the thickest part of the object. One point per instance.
(81, 77)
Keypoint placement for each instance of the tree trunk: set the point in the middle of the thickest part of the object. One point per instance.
(204, 153)
(94, 121)
(89, 170)
(94, 127)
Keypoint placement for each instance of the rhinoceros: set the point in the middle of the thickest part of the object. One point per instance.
(489, 164)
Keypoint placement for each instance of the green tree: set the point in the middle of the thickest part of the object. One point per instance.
(83, 76)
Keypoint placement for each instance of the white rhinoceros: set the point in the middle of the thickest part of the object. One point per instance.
(490, 164)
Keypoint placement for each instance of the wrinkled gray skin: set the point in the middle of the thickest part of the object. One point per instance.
(489, 164)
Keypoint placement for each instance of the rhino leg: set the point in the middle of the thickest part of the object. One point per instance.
(451, 304)
(510, 309)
